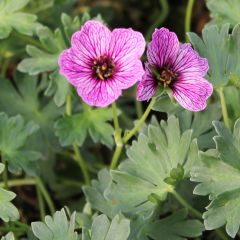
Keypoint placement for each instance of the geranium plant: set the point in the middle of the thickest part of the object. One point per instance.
(119, 128)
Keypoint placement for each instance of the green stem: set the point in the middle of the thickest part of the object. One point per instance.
(41, 204)
(186, 205)
(69, 104)
(77, 154)
(188, 17)
(115, 119)
(4, 67)
(5, 174)
(141, 121)
(116, 156)
(28, 40)
(81, 163)
(162, 16)
(139, 108)
(45, 194)
(224, 107)
(19, 182)
(195, 212)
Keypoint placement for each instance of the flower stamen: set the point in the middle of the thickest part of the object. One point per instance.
(103, 68)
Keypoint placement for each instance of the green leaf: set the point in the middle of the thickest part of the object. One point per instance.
(70, 25)
(219, 47)
(8, 212)
(174, 227)
(43, 61)
(224, 11)
(73, 129)
(200, 123)
(95, 194)
(103, 229)
(58, 87)
(140, 179)
(56, 227)
(9, 236)
(13, 136)
(219, 177)
(11, 17)
(29, 101)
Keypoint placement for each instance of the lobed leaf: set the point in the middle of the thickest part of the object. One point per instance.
(219, 177)
(74, 129)
(56, 227)
(12, 17)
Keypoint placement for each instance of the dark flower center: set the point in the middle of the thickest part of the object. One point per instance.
(103, 68)
(163, 76)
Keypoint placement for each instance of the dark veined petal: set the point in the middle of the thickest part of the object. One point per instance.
(163, 48)
(147, 86)
(192, 92)
(189, 61)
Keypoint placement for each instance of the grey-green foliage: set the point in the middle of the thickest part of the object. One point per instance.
(9, 236)
(174, 227)
(14, 133)
(224, 11)
(45, 57)
(220, 47)
(104, 229)
(74, 129)
(8, 212)
(156, 163)
(13, 17)
(57, 227)
(219, 176)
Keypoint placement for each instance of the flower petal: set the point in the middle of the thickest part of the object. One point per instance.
(128, 75)
(163, 48)
(98, 93)
(192, 92)
(146, 87)
(188, 60)
(92, 41)
(126, 45)
(72, 67)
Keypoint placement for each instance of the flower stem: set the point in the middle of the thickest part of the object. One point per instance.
(77, 154)
(188, 17)
(224, 107)
(5, 174)
(121, 141)
(184, 203)
(141, 121)
(45, 194)
(162, 16)
(69, 104)
(19, 182)
(81, 163)
(195, 212)
(115, 119)
(41, 203)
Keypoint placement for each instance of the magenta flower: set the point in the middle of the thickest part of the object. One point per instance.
(101, 63)
(178, 67)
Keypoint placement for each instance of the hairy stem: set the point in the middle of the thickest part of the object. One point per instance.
(45, 194)
(188, 17)
(224, 107)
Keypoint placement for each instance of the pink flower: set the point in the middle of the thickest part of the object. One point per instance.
(178, 67)
(101, 63)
